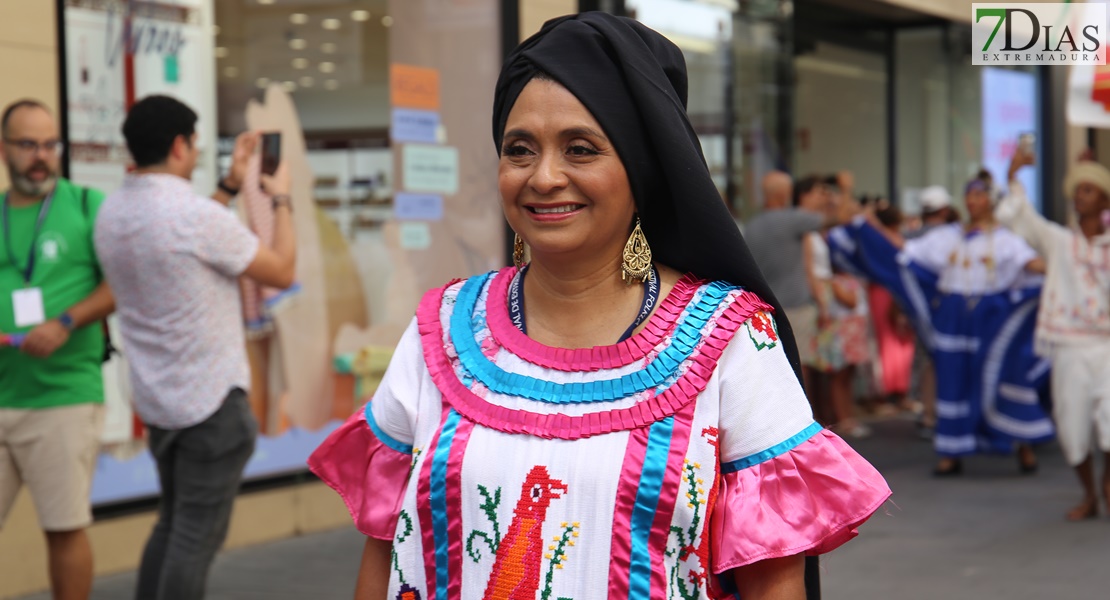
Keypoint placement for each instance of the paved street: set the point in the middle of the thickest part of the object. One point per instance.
(990, 534)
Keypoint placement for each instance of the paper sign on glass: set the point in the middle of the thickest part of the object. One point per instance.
(408, 125)
(28, 307)
(415, 236)
(430, 168)
(413, 87)
(417, 207)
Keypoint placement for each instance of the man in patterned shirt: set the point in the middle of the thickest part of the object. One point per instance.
(174, 259)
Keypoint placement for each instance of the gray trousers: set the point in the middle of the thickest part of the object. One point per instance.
(199, 469)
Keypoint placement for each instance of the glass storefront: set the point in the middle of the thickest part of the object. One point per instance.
(763, 70)
(394, 179)
(955, 119)
(703, 31)
(813, 87)
(333, 60)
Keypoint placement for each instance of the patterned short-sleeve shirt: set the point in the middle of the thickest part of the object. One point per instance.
(173, 259)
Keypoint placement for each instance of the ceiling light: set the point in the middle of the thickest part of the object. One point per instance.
(327, 67)
(298, 44)
(265, 1)
(221, 52)
(332, 24)
(331, 84)
(262, 82)
(300, 63)
(289, 86)
(231, 71)
(329, 47)
(307, 81)
(360, 15)
(298, 18)
(387, 21)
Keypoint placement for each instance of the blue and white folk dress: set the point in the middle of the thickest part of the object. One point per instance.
(974, 307)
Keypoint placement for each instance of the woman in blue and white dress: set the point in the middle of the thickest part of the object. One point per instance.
(972, 291)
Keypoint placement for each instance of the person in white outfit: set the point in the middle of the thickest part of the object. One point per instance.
(1073, 324)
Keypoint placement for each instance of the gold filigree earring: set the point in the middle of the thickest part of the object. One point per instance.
(518, 251)
(636, 263)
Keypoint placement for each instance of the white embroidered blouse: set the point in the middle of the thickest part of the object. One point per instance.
(500, 468)
(1075, 304)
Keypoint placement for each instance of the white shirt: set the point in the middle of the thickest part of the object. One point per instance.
(821, 264)
(1075, 304)
(972, 264)
(173, 259)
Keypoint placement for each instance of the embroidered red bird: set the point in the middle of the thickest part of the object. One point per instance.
(516, 570)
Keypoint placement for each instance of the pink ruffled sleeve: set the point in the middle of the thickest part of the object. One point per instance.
(787, 485)
(368, 460)
(368, 469)
(808, 495)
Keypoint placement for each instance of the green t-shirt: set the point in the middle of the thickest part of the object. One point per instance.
(67, 271)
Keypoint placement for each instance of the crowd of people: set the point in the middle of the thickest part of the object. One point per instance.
(992, 330)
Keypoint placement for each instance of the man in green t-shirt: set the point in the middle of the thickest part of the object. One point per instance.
(52, 300)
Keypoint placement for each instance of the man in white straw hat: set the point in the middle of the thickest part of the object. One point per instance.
(1073, 324)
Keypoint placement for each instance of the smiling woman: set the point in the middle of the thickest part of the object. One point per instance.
(658, 434)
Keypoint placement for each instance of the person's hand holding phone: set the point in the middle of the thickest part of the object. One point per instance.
(1024, 155)
(271, 152)
(245, 145)
(277, 184)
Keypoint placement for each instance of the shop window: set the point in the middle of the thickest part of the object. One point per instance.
(332, 58)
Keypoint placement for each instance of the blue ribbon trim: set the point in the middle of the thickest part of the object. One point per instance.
(685, 340)
(647, 501)
(382, 436)
(776, 450)
(438, 499)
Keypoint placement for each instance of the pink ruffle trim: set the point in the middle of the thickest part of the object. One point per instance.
(370, 476)
(635, 348)
(809, 500)
(566, 427)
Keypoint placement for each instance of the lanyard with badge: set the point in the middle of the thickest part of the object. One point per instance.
(26, 301)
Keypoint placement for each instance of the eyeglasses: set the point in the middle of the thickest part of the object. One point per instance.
(52, 147)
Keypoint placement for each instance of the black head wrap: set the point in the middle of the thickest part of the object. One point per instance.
(633, 81)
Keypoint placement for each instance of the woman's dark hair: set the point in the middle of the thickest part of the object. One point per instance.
(888, 214)
(804, 186)
(152, 125)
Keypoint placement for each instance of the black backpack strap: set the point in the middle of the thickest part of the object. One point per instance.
(109, 349)
(85, 212)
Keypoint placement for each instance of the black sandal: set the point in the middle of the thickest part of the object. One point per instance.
(1027, 467)
(954, 469)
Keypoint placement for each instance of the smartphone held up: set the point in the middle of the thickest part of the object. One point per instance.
(1027, 146)
(271, 152)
